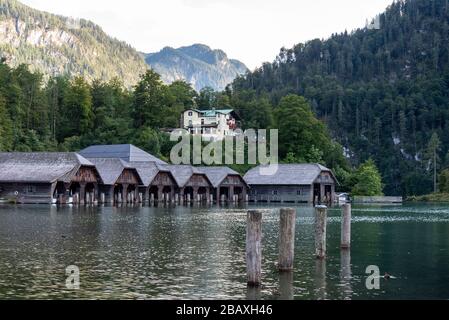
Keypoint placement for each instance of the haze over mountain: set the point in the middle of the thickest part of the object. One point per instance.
(56, 45)
(197, 64)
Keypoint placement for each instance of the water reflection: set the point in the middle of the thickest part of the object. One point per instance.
(345, 274)
(320, 279)
(253, 293)
(133, 252)
(286, 290)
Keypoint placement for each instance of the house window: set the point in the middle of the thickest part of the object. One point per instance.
(202, 122)
(275, 192)
(31, 189)
(190, 113)
(190, 123)
(298, 192)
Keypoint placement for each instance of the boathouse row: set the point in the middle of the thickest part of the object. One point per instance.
(125, 173)
(293, 183)
(44, 177)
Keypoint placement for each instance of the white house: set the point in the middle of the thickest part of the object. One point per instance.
(211, 124)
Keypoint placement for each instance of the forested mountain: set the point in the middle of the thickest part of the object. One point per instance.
(198, 64)
(384, 93)
(56, 45)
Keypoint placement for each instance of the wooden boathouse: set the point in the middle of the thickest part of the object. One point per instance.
(228, 185)
(293, 183)
(193, 185)
(48, 178)
(120, 181)
(158, 183)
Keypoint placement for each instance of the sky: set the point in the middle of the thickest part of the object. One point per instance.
(252, 31)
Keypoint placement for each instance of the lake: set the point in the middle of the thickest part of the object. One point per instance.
(199, 253)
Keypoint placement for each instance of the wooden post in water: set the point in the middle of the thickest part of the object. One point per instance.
(346, 226)
(103, 198)
(254, 247)
(286, 239)
(320, 231)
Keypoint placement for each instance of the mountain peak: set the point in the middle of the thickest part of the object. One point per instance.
(197, 64)
(57, 45)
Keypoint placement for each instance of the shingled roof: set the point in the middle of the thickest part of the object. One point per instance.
(287, 174)
(40, 167)
(126, 152)
(216, 175)
(110, 169)
(149, 170)
(182, 173)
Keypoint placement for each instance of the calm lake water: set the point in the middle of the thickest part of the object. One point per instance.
(199, 253)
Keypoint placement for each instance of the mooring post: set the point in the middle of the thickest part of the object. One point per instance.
(286, 239)
(346, 226)
(103, 198)
(320, 231)
(254, 247)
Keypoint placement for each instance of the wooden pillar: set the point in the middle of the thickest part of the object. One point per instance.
(322, 193)
(160, 194)
(172, 195)
(218, 195)
(96, 193)
(332, 200)
(320, 231)
(195, 194)
(254, 247)
(311, 196)
(125, 193)
(207, 195)
(82, 193)
(146, 195)
(244, 194)
(181, 196)
(346, 226)
(110, 195)
(287, 239)
(231, 194)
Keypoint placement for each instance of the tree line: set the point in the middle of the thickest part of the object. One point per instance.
(68, 114)
(383, 93)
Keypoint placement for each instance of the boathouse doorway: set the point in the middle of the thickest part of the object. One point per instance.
(74, 192)
(238, 191)
(59, 193)
(224, 191)
(202, 191)
(153, 193)
(167, 193)
(90, 191)
(188, 191)
(316, 194)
